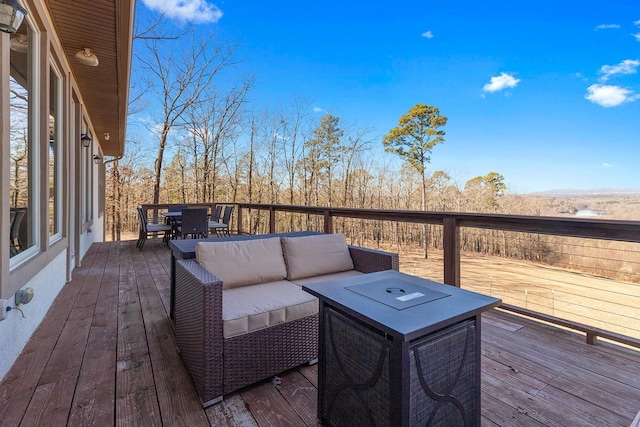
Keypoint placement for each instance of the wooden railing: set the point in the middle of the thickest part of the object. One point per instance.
(625, 231)
(614, 230)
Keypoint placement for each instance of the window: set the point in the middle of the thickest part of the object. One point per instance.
(55, 155)
(23, 191)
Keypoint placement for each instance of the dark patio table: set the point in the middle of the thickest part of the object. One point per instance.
(186, 249)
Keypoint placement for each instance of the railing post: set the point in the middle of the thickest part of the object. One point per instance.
(239, 218)
(451, 244)
(272, 220)
(328, 222)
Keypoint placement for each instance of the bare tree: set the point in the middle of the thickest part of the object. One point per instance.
(180, 79)
(214, 124)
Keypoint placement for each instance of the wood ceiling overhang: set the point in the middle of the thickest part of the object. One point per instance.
(105, 27)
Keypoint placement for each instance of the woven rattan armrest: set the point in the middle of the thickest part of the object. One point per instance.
(198, 315)
(368, 260)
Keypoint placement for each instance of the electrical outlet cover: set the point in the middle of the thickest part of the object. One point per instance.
(24, 296)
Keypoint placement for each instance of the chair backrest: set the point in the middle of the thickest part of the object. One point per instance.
(176, 208)
(195, 221)
(15, 222)
(143, 220)
(227, 214)
(216, 216)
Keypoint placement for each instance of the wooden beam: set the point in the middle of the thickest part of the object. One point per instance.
(328, 222)
(272, 220)
(240, 230)
(451, 244)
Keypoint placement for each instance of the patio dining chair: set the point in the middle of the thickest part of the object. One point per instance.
(146, 228)
(216, 216)
(194, 223)
(221, 227)
(16, 221)
(175, 208)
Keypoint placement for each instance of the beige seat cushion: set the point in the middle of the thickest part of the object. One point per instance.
(243, 263)
(325, 277)
(316, 255)
(251, 308)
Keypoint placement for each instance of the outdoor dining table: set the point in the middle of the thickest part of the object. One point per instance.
(171, 214)
(172, 218)
(175, 216)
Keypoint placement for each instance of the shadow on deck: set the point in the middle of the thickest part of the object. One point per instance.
(105, 354)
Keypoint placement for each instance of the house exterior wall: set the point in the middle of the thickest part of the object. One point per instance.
(15, 330)
(48, 264)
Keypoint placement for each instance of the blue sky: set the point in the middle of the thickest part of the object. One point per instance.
(546, 93)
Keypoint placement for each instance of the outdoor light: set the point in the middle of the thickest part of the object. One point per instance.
(19, 43)
(97, 159)
(107, 136)
(11, 15)
(87, 57)
(86, 140)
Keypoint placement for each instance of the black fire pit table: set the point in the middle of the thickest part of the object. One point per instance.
(398, 350)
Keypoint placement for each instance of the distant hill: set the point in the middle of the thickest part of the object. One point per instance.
(568, 192)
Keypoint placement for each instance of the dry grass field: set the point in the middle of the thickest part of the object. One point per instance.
(596, 301)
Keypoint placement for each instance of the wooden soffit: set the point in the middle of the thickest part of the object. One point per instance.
(105, 27)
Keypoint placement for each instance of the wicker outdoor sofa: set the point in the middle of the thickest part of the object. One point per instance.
(241, 315)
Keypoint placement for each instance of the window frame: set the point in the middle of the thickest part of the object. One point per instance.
(34, 170)
(58, 154)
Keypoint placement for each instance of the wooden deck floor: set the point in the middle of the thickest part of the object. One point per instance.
(105, 355)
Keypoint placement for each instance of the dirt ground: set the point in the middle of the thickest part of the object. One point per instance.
(603, 303)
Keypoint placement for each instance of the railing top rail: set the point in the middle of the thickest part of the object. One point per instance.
(607, 229)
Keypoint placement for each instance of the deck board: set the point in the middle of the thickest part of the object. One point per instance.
(106, 355)
(96, 387)
(136, 398)
(177, 398)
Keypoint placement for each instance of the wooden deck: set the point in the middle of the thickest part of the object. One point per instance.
(105, 355)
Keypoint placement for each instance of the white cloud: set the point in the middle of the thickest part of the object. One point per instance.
(501, 82)
(607, 165)
(637, 36)
(318, 110)
(628, 66)
(607, 26)
(427, 34)
(198, 11)
(637, 22)
(610, 96)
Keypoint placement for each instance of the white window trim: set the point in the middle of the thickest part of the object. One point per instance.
(59, 121)
(34, 148)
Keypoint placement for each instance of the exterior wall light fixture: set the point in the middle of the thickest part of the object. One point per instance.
(97, 159)
(87, 57)
(86, 140)
(19, 43)
(11, 15)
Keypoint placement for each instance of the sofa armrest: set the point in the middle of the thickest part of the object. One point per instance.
(368, 260)
(198, 316)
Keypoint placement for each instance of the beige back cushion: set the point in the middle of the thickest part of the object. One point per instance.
(315, 255)
(243, 263)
